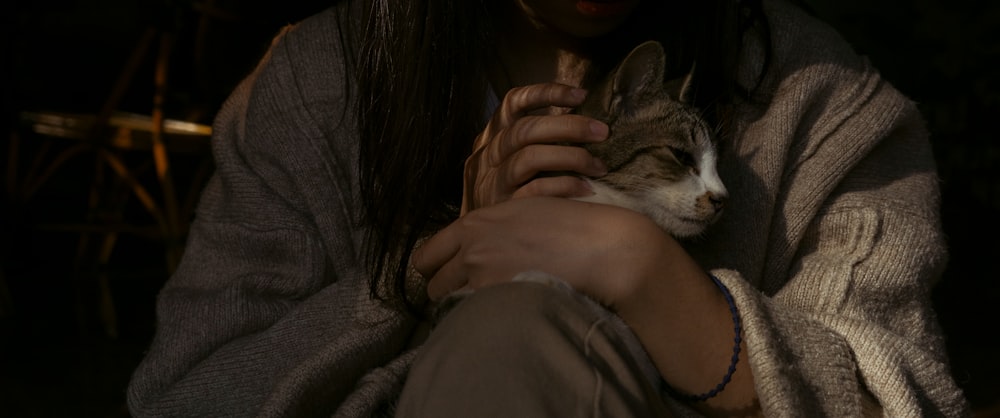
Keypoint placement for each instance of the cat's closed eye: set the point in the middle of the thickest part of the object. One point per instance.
(682, 156)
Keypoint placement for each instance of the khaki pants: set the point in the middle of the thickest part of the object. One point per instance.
(528, 350)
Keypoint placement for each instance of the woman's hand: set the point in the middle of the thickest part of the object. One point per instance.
(603, 251)
(518, 143)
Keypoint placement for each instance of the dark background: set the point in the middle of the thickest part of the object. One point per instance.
(56, 359)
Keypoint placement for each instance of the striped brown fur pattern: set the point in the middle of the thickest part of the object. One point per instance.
(660, 152)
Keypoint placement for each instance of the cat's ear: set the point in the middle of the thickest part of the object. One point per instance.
(640, 74)
(682, 89)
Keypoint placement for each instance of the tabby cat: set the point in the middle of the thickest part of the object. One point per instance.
(660, 152)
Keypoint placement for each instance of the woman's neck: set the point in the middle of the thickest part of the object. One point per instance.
(528, 53)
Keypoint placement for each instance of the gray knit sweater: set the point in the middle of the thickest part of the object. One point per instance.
(831, 244)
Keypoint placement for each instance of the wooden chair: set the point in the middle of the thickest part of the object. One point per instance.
(124, 148)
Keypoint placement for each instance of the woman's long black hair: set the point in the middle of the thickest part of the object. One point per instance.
(421, 65)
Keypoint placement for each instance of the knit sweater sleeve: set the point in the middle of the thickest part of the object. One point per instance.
(268, 314)
(834, 286)
(854, 321)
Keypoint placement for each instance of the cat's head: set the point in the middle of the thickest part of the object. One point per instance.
(660, 152)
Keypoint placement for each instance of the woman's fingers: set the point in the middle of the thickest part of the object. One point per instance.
(520, 101)
(530, 161)
(518, 144)
(533, 130)
(449, 278)
(437, 250)
(561, 186)
(442, 262)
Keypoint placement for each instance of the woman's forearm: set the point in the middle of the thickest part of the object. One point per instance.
(687, 327)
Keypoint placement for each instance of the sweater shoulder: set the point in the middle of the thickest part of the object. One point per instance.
(290, 123)
(816, 78)
(299, 91)
(801, 39)
(308, 69)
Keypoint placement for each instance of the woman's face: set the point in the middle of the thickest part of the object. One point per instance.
(578, 18)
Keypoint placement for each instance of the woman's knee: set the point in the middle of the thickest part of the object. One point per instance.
(519, 310)
(525, 348)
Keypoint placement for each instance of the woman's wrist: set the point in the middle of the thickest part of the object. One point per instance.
(685, 323)
(734, 360)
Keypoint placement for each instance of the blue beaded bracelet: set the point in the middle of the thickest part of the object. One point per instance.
(737, 327)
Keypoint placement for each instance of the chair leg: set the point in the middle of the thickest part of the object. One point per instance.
(106, 202)
(106, 303)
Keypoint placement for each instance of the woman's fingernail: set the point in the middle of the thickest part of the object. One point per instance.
(598, 129)
(578, 94)
(588, 187)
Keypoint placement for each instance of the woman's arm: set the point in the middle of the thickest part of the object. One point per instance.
(618, 257)
(268, 313)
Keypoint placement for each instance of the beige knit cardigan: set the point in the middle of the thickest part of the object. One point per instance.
(831, 244)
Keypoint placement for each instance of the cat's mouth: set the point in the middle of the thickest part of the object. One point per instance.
(684, 226)
(681, 227)
(704, 221)
(697, 222)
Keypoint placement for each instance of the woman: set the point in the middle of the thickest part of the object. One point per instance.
(374, 127)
